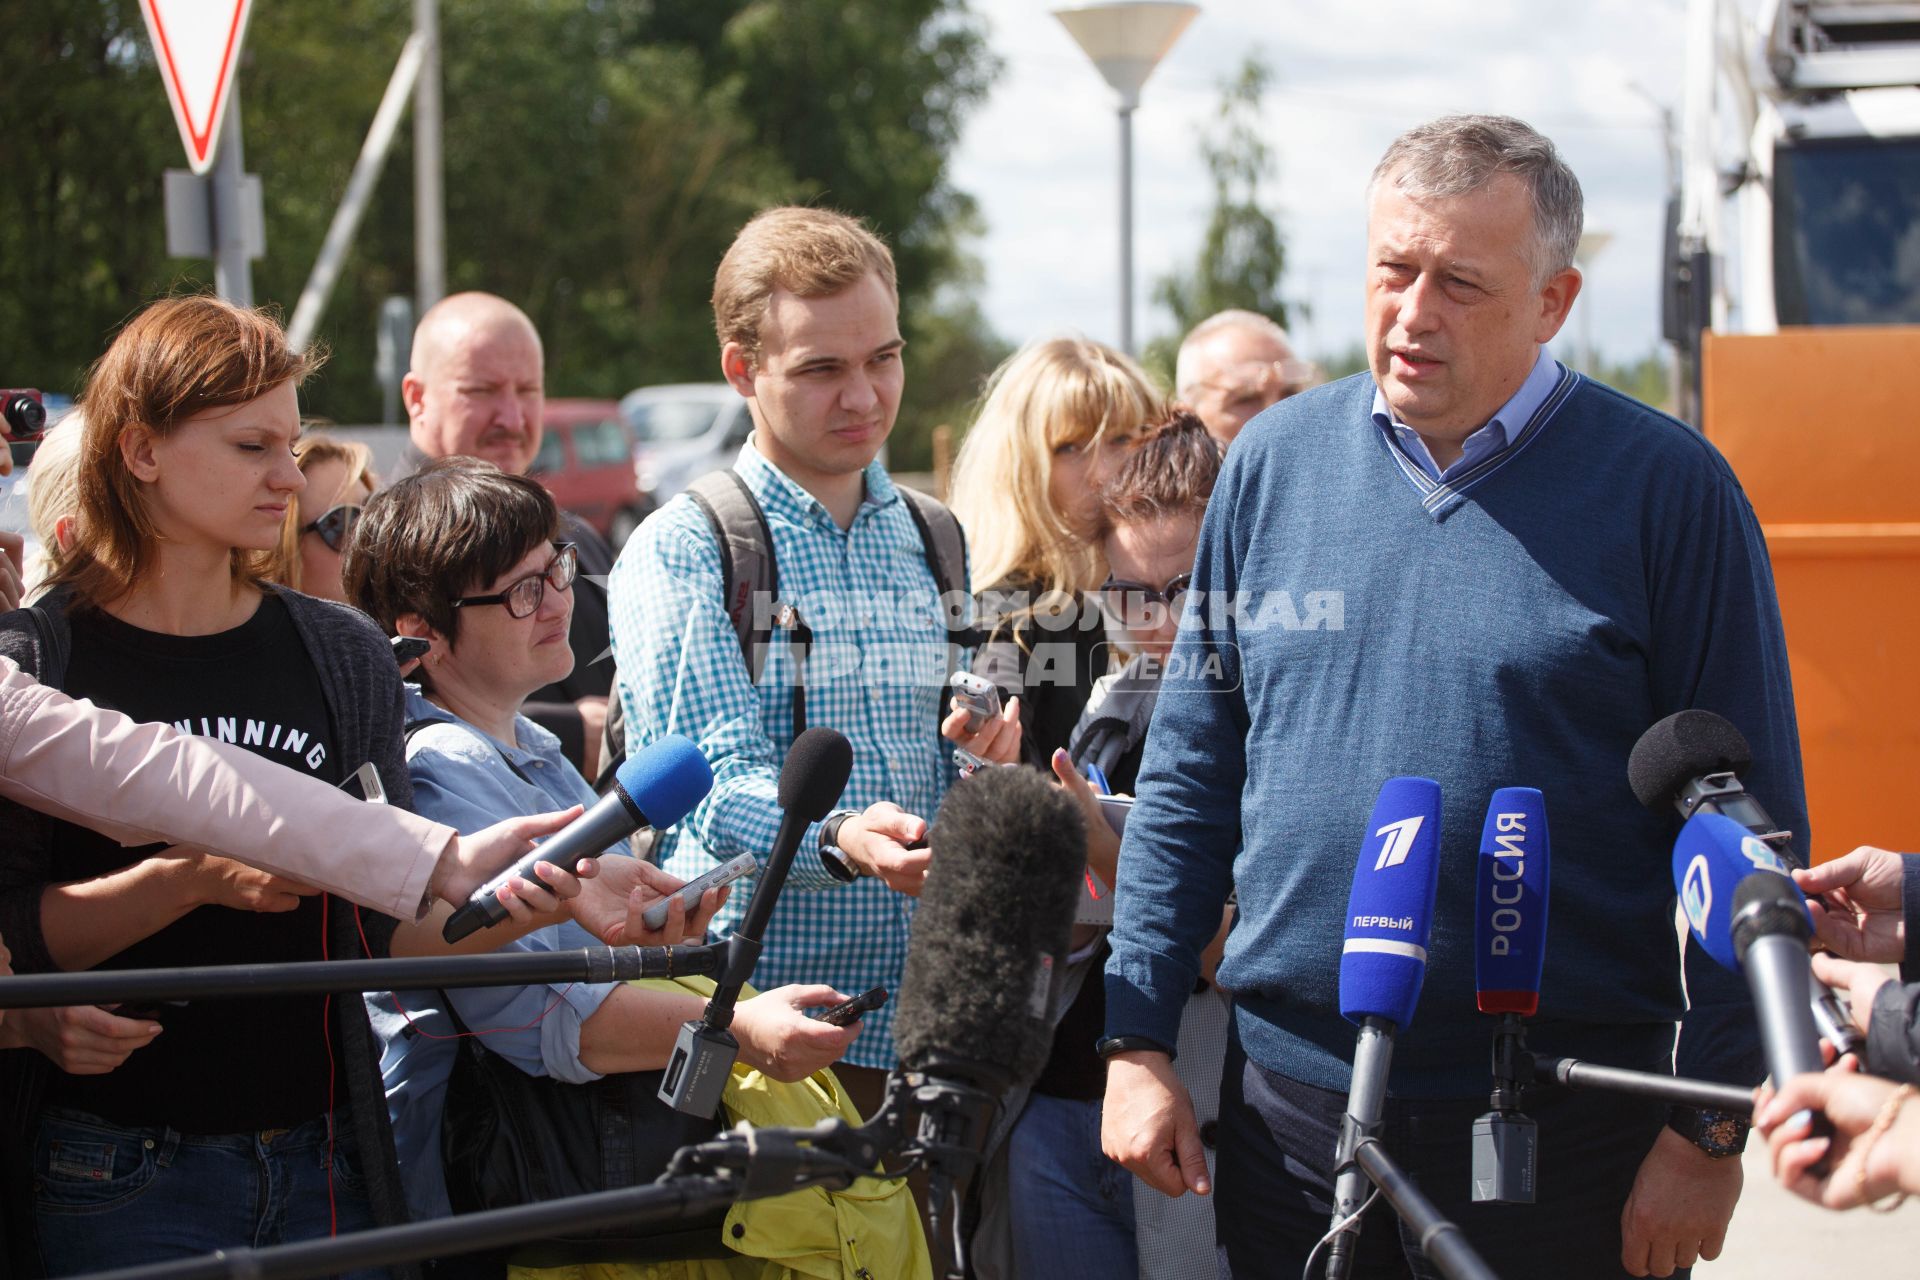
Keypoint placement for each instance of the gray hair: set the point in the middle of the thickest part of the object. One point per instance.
(1456, 155)
(1233, 318)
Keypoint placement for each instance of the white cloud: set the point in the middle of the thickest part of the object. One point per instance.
(1041, 154)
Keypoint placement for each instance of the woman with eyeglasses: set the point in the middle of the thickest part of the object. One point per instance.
(340, 479)
(1150, 514)
(462, 554)
(1052, 1203)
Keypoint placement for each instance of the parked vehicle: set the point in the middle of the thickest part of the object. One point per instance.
(586, 463)
(1793, 299)
(683, 431)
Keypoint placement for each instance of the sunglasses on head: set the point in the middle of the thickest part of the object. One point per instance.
(1128, 602)
(335, 525)
(523, 596)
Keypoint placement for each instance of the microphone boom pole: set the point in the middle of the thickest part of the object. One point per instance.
(659, 1202)
(1575, 1074)
(812, 777)
(328, 977)
(746, 1164)
(1440, 1240)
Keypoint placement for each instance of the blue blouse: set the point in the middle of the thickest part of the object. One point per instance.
(462, 777)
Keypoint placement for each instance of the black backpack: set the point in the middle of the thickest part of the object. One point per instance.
(750, 572)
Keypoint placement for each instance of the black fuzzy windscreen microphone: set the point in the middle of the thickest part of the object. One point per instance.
(993, 925)
(1684, 746)
(815, 772)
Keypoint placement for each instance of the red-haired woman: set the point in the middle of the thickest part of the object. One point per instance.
(219, 1123)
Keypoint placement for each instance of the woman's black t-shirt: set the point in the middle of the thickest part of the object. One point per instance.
(217, 1066)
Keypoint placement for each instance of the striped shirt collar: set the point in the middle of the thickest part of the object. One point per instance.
(1500, 431)
(779, 491)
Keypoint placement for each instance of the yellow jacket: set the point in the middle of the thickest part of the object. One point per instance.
(870, 1231)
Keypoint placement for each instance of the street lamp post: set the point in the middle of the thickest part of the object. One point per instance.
(1126, 40)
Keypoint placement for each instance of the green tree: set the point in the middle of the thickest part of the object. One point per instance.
(593, 179)
(599, 156)
(1243, 254)
(1648, 379)
(863, 100)
(84, 135)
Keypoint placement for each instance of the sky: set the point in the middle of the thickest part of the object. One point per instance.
(1041, 155)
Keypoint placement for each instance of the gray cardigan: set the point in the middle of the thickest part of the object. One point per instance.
(364, 698)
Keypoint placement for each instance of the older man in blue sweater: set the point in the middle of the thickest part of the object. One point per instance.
(1476, 566)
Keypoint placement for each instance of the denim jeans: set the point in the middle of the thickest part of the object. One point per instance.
(1072, 1208)
(111, 1196)
(1274, 1188)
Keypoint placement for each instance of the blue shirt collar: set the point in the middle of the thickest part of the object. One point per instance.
(1500, 430)
(776, 490)
(533, 742)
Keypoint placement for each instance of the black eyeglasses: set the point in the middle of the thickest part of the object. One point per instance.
(523, 596)
(335, 526)
(1128, 603)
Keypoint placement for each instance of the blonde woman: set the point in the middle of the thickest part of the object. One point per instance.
(53, 500)
(1058, 419)
(340, 479)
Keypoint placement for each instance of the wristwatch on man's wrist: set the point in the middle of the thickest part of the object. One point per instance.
(832, 857)
(1112, 1045)
(1718, 1133)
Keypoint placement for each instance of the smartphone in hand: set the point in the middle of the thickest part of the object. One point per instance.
(691, 892)
(848, 1011)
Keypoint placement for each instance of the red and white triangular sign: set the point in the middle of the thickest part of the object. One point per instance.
(197, 44)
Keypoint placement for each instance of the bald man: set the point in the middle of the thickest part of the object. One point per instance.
(477, 389)
(1234, 364)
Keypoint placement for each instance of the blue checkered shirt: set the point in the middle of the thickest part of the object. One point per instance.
(877, 674)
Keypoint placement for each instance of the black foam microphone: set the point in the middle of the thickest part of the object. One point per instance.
(1693, 761)
(993, 924)
(812, 777)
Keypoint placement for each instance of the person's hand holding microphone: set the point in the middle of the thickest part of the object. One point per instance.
(1856, 903)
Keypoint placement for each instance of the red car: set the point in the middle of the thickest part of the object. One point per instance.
(586, 463)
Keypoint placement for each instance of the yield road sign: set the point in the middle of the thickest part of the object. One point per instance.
(197, 45)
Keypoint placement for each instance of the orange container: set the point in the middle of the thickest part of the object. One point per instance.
(1821, 428)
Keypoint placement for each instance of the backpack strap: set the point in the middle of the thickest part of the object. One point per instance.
(941, 537)
(748, 572)
(945, 545)
(750, 580)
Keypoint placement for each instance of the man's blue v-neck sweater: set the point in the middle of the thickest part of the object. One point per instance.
(1602, 572)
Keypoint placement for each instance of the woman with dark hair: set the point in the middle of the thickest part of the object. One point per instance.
(464, 555)
(237, 1122)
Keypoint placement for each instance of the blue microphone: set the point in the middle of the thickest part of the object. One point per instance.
(655, 787)
(1742, 906)
(1712, 858)
(1509, 950)
(1382, 964)
(1510, 903)
(1390, 909)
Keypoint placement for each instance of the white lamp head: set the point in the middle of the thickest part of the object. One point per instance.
(1126, 40)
